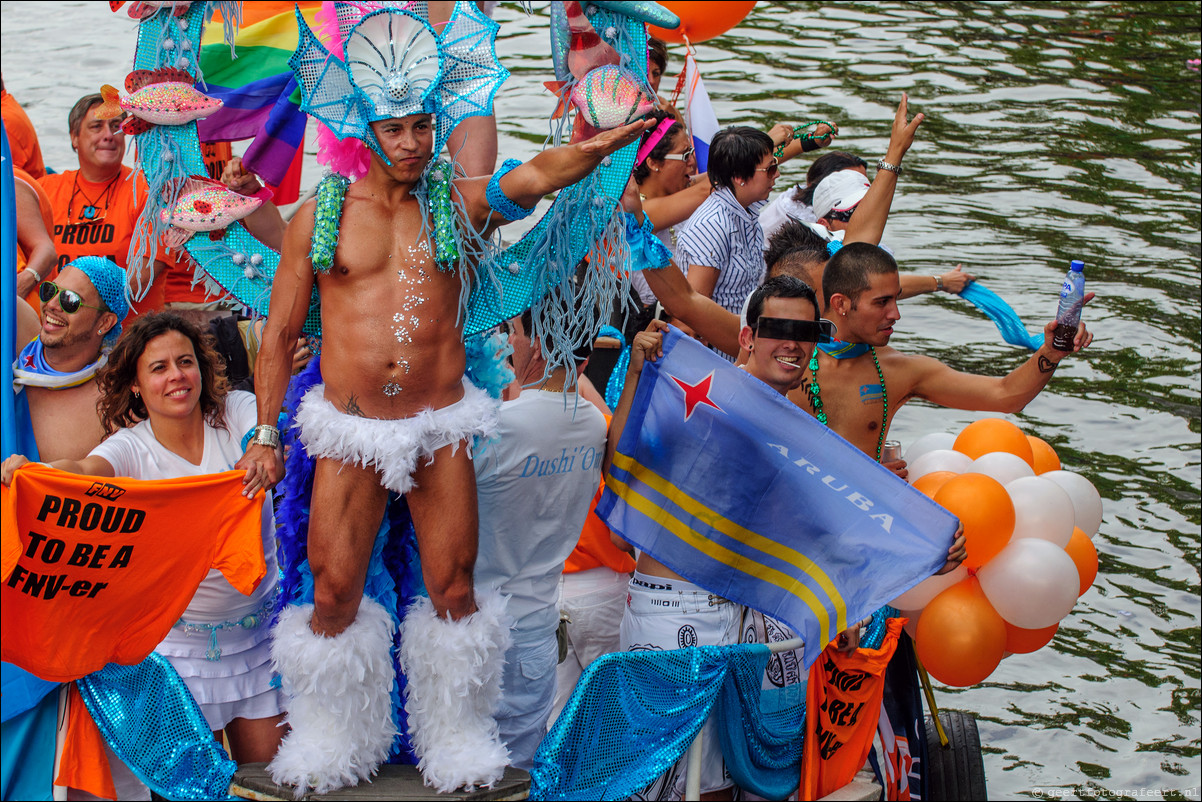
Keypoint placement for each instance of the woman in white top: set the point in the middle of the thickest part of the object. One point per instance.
(168, 414)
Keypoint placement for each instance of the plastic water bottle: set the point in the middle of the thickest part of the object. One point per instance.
(1068, 316)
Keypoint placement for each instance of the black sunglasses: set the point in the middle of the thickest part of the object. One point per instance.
(808, 331)
(69, 300)
(843, 216)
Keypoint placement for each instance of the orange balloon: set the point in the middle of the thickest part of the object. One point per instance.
(961, 638)
(986, 511)
(1046, 458)
(1085, 557)
(700, 21)
(931, 482)
(994, 434)
(1025, 641)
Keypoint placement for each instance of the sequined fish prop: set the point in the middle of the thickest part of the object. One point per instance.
(148, 8)
(610, 96)
(165, 96)
(206, 205)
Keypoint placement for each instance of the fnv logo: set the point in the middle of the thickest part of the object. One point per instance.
(105, 491)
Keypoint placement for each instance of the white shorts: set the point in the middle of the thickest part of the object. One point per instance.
(664, 614)
(392, 447)
(593, 600)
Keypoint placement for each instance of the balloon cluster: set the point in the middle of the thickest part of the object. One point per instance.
(1027, 526)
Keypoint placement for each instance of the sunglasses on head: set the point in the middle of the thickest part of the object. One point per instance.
(69, 300)
(842, 216)
(806, 331)
(684, 157)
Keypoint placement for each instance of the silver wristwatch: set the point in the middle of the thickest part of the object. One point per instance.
(266, 435)
(893, 168)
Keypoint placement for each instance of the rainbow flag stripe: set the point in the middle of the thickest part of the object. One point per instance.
(261, 96)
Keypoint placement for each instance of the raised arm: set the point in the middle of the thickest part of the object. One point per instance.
(648, 344)
(939, 384)
(551, 170)
(868, 223)
(265, 223)
(674, 209)
(291, 292)
(952, 282)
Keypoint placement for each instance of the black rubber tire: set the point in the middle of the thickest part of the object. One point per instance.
(957, 771)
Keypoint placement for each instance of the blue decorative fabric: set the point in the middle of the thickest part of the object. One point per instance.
(842, 350)
(630, 717)
(394, 576)
(647, 251)
(762, 731)
(833, 246)
(149, 719)
(487, 364)
(874, 634)
(1002, 314)
(499, 201)
(634, 714)
(109, 281)
(27, 749)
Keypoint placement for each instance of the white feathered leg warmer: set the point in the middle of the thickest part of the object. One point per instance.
(453, 669)
(338, 699)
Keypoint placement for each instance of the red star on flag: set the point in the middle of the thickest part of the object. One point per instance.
(29, 360)
(695, 394)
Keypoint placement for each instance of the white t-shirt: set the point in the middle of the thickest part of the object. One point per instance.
(782, 209)
(135, 452)
(534, 485)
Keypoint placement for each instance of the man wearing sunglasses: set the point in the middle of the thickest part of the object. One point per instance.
(782, 329)
(82, 310)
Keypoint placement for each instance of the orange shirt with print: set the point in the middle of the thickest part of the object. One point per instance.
(98, 570)
(117, 203)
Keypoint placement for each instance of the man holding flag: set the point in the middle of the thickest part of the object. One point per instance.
(733, 500)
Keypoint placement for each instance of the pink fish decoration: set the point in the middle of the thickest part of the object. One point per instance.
(610, 96)
(148, 8)
(206, 205)
(165, 96)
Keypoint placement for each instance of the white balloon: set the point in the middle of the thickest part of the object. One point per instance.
(1042, 509)
(1001, 465)
(935, 441)
(1031, 583)
(921, 594)
(938, 460)
(1087, 502)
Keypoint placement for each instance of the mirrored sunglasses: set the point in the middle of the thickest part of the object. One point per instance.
(69, 300)
(684, 157)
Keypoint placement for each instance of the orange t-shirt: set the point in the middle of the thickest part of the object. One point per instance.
(22, 139)
(595, 549)
(97, 571)
(47, 221)
(118, 204)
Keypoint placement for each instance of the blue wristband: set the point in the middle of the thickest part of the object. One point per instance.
(499, 201)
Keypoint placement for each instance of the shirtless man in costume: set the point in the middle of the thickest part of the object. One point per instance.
(81, 315)
(861, 287)
(395, 413)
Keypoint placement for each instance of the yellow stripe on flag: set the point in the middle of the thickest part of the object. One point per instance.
(736, 561)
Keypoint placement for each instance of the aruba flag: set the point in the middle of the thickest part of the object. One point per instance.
(729, 484)
(699, 113)
(260, 93)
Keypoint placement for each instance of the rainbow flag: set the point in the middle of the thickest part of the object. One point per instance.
(261, 96)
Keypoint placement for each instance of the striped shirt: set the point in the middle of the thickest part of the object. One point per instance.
(727, 237)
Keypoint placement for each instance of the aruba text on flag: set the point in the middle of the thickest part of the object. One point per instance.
(730, 485)
(699, 114)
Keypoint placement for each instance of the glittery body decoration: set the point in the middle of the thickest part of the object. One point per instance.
(498, 201)
(390, 389)
(327, 218)
(438, 188)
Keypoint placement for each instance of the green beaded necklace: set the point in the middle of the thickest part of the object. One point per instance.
(821, 415)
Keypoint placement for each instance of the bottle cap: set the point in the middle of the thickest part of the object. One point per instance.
(1077, 265)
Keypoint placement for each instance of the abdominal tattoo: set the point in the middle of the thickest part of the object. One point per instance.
(351, 407)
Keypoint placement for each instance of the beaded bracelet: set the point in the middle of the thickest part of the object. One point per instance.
(807, 138)
(499, 201)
